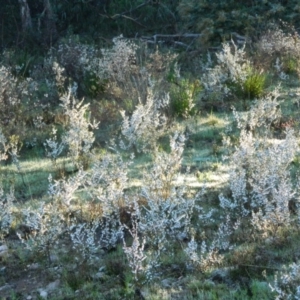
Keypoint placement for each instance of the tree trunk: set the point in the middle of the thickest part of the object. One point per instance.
(50, 30)
(25, 16)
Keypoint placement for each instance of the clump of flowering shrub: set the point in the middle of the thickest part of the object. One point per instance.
(260, 180)
(232, 77)
(279, 49)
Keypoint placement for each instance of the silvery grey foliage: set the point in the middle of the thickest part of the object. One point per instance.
(286, 285)
(53, 147)
(276, 41)
(260, 180)
(262, 114)
(232, 67)
(279, 69)
(203, 256)
(13, 91)
(78, 136)
(146, 124)
(167, 212)
(136, 252)
(4, 146)
(115, 63)
(108, 180)
(90, 238)
(6, 211)
(46, 227)
(105, 185)
(64, 190)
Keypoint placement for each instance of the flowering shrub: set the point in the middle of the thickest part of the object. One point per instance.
(78, 137)
(232, 68)
(46, 227)
(287, 283)
(281, 49)
(6, 212)
(146, 124)
(262, 115)
(13, 92)
(53, 147)
(260, 180)
(163, 214)
(4, 146)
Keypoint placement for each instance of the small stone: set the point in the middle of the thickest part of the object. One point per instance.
(53, 258)
(145, 293)
(166, 283)
(53, 285)
(220, 275)
(33, 266)
(28, 298)
(5, 287)
(182, 236)
(99, 275)
(43, 294)
(3, 250)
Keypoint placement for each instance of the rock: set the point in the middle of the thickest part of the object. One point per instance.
(33, 266)
(53, 285)
(145, 292)
(5, 287)
(28, 298)
(54, 258)
(99, 275)
(182, 236)
(166, 283)
(220, 275)
(43, 294)
(3, 250)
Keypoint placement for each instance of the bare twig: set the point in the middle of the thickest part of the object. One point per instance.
(123, 14)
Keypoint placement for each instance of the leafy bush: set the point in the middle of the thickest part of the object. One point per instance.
(183, 93)
(253, 86)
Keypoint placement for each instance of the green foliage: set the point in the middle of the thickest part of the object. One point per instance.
(22, 63)
(183, 95)
(74, 280)
(221, 20)
(253, 86)
(93, 86)
(291, 65)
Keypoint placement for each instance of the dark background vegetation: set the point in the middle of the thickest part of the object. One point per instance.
(95, 20)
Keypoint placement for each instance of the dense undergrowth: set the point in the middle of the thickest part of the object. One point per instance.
(124, 178)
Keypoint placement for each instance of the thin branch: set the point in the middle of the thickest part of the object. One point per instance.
(133, 20)
(123, 14)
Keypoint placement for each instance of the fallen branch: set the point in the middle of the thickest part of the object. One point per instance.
(161, 38)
